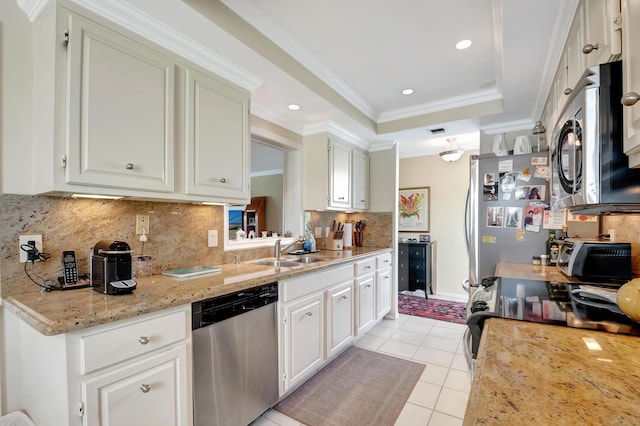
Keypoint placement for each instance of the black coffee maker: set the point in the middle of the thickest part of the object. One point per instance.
(111, 268)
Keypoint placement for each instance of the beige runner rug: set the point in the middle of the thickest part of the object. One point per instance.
(359, 387)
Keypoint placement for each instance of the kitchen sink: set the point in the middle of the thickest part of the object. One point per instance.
(279, 263)
(309, 259)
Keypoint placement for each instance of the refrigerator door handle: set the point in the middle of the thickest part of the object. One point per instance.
(467, 218)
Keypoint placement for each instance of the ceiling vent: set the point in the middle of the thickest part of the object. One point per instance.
(437, 131)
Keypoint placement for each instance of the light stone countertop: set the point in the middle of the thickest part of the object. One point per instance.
(58, 312)
(540, 374)
(527, 271)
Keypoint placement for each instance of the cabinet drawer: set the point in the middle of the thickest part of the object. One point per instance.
(383, 261)
(114, 345)
(366, 266)
(417, 253)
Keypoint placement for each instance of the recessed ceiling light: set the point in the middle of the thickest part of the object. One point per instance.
(294, 107)
(463, 44)
(407, 92)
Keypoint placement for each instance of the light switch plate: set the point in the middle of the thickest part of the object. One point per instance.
(212, 238)
(142, 224)
(318, 232)
(24, 239)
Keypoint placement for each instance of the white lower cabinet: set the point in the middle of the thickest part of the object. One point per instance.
(384, 285)
(366, 302)
(303, 337)
(149, 391)
(132, 371)
(340, 306)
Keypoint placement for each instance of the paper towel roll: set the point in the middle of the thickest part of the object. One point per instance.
(348, 235)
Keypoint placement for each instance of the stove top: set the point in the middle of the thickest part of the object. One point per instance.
(583, 305)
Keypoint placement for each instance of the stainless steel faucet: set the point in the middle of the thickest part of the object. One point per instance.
(277, 251)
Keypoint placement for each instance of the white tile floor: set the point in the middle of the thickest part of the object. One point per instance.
(440, 396)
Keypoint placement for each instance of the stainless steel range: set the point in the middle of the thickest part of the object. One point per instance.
(580, 305)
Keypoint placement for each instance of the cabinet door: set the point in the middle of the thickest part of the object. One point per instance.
(340, 306)
(384, 287)
(120, 111)
(360, 180)
(339, 175)
(217, 138)
(152, 391)
(303, 337)
(575, 59)
(631, 79)
(366, 301)
(403, 267)
(600, 31)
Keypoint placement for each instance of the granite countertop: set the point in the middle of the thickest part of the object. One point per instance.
(526, 271)
(59, 312)
(529, 373)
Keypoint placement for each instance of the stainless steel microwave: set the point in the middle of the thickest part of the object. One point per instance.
(590, 172)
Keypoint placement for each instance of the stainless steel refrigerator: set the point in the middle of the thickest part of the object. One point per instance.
(504, 208)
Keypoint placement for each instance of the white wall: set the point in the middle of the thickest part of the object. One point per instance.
(448, 183)
(16, 97)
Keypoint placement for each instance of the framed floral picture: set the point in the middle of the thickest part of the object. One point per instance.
(414, 210)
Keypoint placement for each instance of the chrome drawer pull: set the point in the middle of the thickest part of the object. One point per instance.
(588, 48)
(130, 166)
(343, 297)
(309, 314)
(145, 388)
(223, 180)
(143, 340)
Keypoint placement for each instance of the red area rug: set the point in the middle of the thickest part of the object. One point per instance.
(437, 309)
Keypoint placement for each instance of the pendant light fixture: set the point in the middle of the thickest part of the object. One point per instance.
(451, 151)
(539, 130)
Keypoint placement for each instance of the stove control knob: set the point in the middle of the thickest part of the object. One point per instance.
(488, 282)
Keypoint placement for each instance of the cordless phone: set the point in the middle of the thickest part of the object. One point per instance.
(69, 267)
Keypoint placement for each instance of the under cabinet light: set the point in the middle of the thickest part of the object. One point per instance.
(96, 196)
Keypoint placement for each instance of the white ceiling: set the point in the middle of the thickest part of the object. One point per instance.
(346, 61)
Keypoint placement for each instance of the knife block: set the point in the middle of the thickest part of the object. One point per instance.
(334, 244)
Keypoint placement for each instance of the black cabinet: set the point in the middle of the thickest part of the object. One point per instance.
(414, 267)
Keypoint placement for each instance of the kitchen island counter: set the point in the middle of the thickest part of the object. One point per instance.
(530, 373)
(58, 312)
(527, 271)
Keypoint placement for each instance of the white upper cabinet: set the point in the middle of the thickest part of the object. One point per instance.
(335, 175)
(602, 38)
(217, 137)
(574, 58)
(120, 111)
(339, 174)
(360, 180)
(631, 79)
(119, 115)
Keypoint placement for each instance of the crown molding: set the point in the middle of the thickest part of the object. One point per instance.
(442, 105)
(512, 126)
(133, 19)
(33, 8)
(335, 130)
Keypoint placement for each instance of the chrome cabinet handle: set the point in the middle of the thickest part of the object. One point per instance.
(223, 180)
(340, 198)
(343, 297)
(567, 91)
(630, 99)
(309, 314)
(588, 48)
(130, 166)
(368, 286)
(145, 388)
(367, 267)
(143, 340)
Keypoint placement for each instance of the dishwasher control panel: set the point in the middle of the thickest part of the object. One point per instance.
(217, 309)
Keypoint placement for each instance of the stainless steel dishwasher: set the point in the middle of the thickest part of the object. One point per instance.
(235, 357)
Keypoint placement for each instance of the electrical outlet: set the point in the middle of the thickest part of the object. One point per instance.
(212, 238)
(318, 232)
(24, 239)
(142, 224)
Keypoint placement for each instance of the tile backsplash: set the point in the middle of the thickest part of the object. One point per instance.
(177, 236)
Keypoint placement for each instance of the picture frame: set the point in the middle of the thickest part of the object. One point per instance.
(413, 209)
